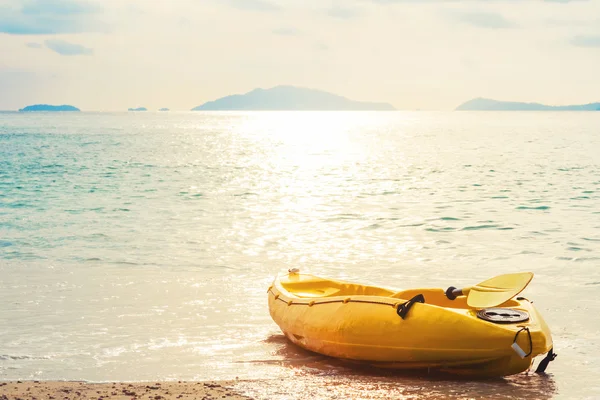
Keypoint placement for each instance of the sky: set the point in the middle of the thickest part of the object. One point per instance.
(109, 55)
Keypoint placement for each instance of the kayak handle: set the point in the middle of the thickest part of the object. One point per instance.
(403, 308)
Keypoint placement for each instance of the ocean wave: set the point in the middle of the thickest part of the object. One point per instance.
(533, 208)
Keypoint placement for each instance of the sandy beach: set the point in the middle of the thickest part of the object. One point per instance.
(42, 390)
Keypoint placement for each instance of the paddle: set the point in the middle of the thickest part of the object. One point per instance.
(494, 291)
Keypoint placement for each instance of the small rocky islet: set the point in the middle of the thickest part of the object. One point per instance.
(49, 108)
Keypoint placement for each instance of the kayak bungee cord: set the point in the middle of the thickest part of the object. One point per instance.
(402, 308)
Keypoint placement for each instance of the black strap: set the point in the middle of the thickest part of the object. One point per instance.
(530, 341)
(403, 308)
(544, 363)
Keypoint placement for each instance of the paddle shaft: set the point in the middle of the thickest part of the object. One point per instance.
(452, 292)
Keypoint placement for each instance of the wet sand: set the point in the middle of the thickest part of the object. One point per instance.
(43, 390)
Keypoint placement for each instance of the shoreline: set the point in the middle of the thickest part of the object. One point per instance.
(63, 390)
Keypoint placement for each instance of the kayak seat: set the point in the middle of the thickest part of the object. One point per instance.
(350, 289)
(399, 295)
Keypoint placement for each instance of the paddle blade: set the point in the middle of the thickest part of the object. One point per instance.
(498, 290)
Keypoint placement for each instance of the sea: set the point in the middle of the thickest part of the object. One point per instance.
(140, 246)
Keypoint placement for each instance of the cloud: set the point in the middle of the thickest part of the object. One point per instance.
(34, 45)
(58, 7)
(482, 19)
(286, 32)
(40, 17)
(254, 5)
(321, 46)
(67, 49)
(572, 23)
(586, 41)
(343, 12)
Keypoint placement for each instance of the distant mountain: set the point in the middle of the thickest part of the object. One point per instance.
(138, 109)
(481, 104)
(163, 109)
(47, 107)
(289, 98)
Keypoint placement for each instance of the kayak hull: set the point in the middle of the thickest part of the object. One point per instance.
(361, 323)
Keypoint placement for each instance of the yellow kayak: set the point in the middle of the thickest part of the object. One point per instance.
(412, 329)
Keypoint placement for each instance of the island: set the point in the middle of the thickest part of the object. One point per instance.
(163, 109)
(48, 107)
(481, 104)
(138, 109)
(283, 98)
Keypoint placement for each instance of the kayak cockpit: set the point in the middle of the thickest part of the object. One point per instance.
(311, 287)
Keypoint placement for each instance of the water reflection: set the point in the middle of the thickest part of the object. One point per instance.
(316, 376)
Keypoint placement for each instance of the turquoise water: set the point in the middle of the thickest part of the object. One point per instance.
(140, 246)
